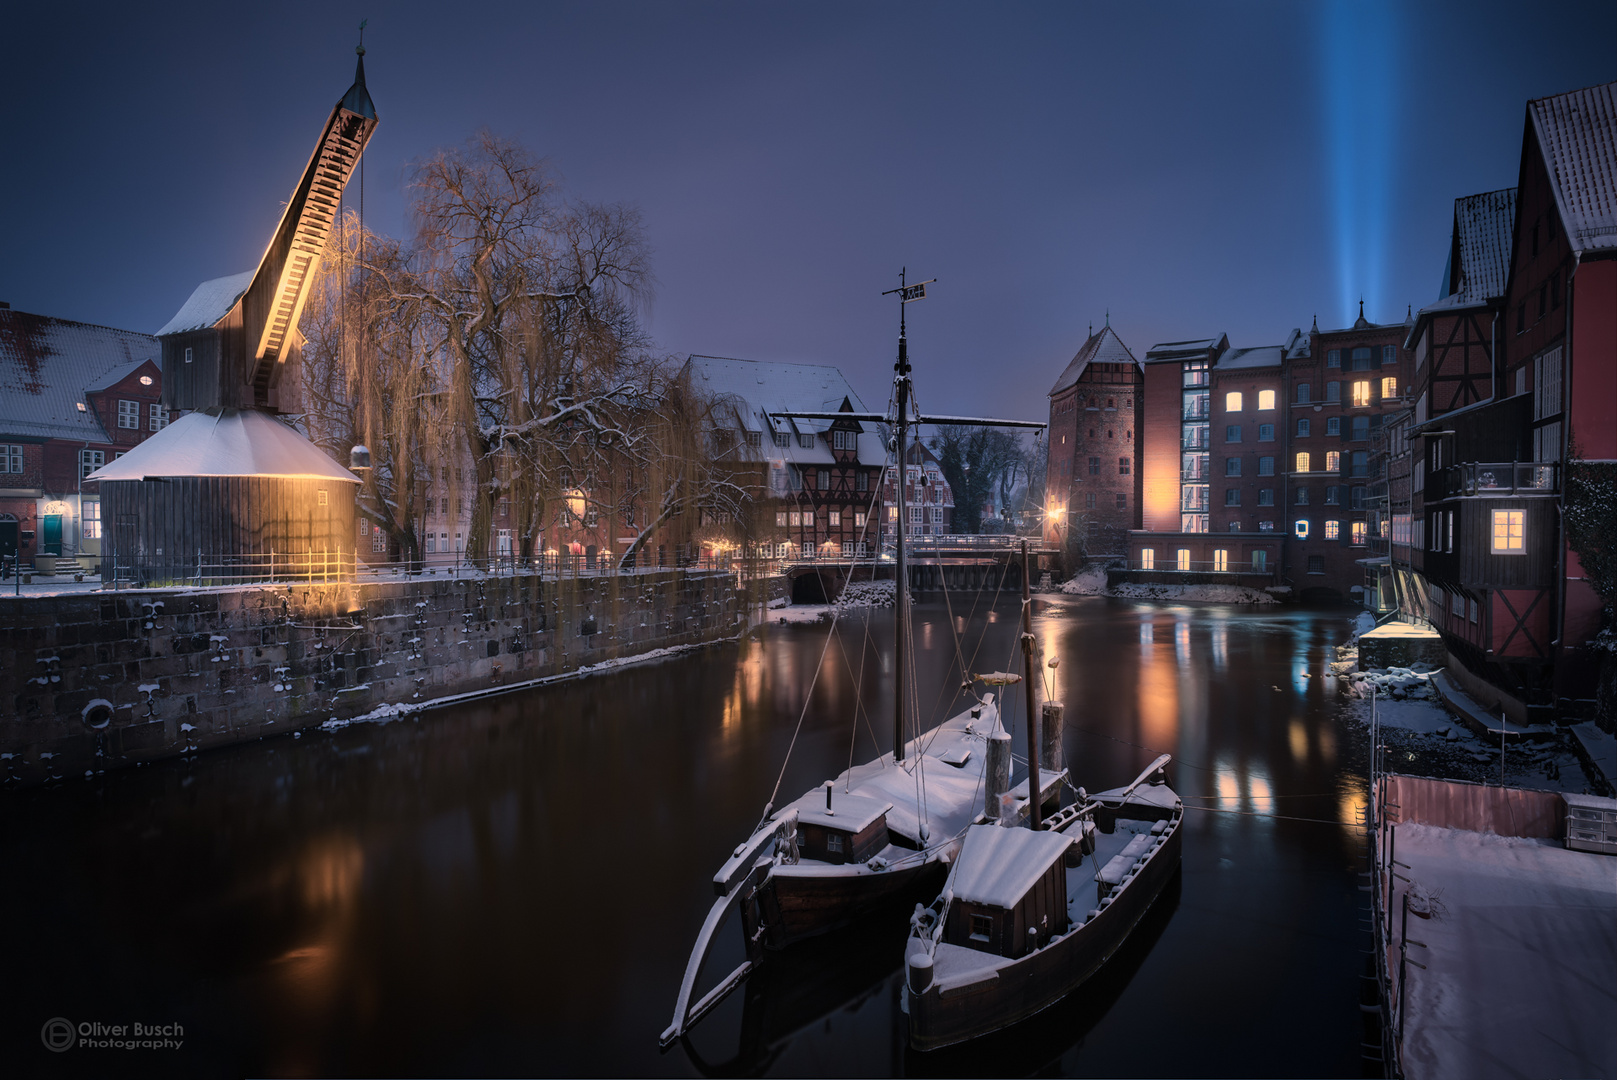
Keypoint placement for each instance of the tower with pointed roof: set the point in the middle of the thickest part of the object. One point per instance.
(1093, 480)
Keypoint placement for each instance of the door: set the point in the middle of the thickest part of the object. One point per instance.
(51, 544)
(8, 539)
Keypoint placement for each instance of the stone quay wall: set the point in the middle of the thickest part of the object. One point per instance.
(94, 681)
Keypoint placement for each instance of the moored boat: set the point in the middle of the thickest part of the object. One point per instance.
(1017, 927)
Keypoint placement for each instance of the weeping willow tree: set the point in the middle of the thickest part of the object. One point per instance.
(501, 355)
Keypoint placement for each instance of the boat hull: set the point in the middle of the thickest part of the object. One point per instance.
(943, 1016)
(793, 907)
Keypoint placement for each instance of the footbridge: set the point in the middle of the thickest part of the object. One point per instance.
(958, 563)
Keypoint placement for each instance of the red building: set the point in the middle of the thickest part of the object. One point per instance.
(928, 499)
(1094, 482)
(73, 397)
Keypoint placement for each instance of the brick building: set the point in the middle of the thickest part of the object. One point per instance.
(73, 397)
(1093, 484)
(927, 497)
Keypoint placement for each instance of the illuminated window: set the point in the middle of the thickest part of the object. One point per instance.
(780, 519)
(1232, 401)
(1509, 529)
(378, 539)
(1389, 388)
(1333, 461)
(1361, 393)
(1221, 560)
(129, 414)
(1302, 462)
(834, 519)
(859, 519)
(1148, 558)
(892, 514)
(1301, 529)
(1182, 559)
(1358, 534)
(1333, 530)
(1266, 399)
(90, 515)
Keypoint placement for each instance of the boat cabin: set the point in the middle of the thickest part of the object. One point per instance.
(850, 830)
(1010, 890)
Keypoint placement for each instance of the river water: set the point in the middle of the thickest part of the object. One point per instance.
(512, 887)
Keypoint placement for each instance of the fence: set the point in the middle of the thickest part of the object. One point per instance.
(1494, 478)
(205, 569)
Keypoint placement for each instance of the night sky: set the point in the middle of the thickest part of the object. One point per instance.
(1191, 168)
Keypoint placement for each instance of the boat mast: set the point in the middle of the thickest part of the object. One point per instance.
(901, 625)
(1028, 672)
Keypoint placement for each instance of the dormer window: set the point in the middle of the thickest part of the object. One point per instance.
(145, 380)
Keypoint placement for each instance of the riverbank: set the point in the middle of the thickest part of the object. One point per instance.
(1091, 581)
(95, 681)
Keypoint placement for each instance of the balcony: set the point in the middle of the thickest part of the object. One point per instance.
(1494, 479)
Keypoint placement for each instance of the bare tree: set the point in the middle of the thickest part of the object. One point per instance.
(978, 462)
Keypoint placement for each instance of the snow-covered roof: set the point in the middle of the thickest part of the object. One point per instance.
(1483, 227)
(47, 365)
(209, 302)
(1182, 350)
(757, 388)
(231, 442)
(117, 373)
(1260, 356)
(1577, 134)
(849, 812)
(1103, 347)
(997, 866)
(1297, 344)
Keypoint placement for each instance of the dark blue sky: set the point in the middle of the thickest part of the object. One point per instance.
(1192, 168)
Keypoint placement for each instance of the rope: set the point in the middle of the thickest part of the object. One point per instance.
(808, 697)
(1278, 817)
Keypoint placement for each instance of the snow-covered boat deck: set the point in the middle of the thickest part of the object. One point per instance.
(1521, 958)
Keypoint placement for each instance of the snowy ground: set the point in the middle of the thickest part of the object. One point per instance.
(1519, 957)
(856, 594)
(1092, 582)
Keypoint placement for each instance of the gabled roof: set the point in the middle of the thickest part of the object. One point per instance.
(1577, 135)
(209, 302)
(1483, 227)
(47, 365)
(1104, 347)
(230, 442)
(119, 372)
(997, 866)
(1259, 356)
(758, 388)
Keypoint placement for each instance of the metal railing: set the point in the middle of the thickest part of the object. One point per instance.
(1494, 479)
(202, 569)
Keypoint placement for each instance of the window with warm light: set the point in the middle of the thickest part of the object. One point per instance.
(1302, 462)
(1333, 530)
(1232, 401)
(1182, 559)
(1509, 532)
(1361, 393)
(1266, 399)
(1389, 388)
(1148, 558)
(90, 517)
(1221, 560)
(1300, 528)
(1358, 533)
(1333, 461)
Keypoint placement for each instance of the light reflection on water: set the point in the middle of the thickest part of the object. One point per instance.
(512, 888)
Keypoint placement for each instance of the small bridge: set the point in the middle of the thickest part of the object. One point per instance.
(959, 563)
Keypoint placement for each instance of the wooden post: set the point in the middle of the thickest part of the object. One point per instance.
(1050, 749)
(1033, 800)
(997, 775)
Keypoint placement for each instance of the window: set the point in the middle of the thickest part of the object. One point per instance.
(1361, 393)
(1333, 358)
(1316, 564)
(1122, 466)
(1333, 495)
(981, 927)
(834, 519)
(915, 515)
(1260, 561)
(1356, 498)
(1094, 466)
(861, 482)
(1232, 496)
(1333, 530)
(158, 417)
(1089, 500)
(505, 507)
(1266, 526)
(1360, 430)
(1300, 528)
(187, 355)
(1508, 532)
(1232, 433)
(1266, 433)
(379, 539)
(1266, 466)
(1302, 429)
(805, 441)
(1232, 401)
(1148, 558)
(1389, 355)
(1182, 559)
(90, 516)
(937, 516)
(1196, 404)
(1333, 461)
(1361, 358)
(90, 461)
(1361, 463)
(1333, 426)
(1389, 388)
(1266, 400)
(1358, 534)
(1302, 393)
(892, 514)
(1266, 496)
(1302, 496)
(1235, 525)
(1221, 560)
(1194, 437)
(1333, 392)
(780, 519)
(794, 518)
(10, 459)
(1195, 373)
(129, 414)
(859, 519)
(783, 438)
(836, 440)
(1122, 501)
(460, 542)
(320, 498)
(432, 544)
(1232, 466)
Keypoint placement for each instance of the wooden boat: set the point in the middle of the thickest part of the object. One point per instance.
(1017, 927)
(879, 833)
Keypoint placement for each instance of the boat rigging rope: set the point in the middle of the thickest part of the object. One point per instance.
(808, 697)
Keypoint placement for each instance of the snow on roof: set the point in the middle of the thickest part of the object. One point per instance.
(117, 373)
(233, 442)
(1577, 134)
(47, 365)
(849, 812)
(209, 302)
(759, 388)
(997, 866)
(1181, 350)
(1104, 347)
(1483, 227)
(1260, 356)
